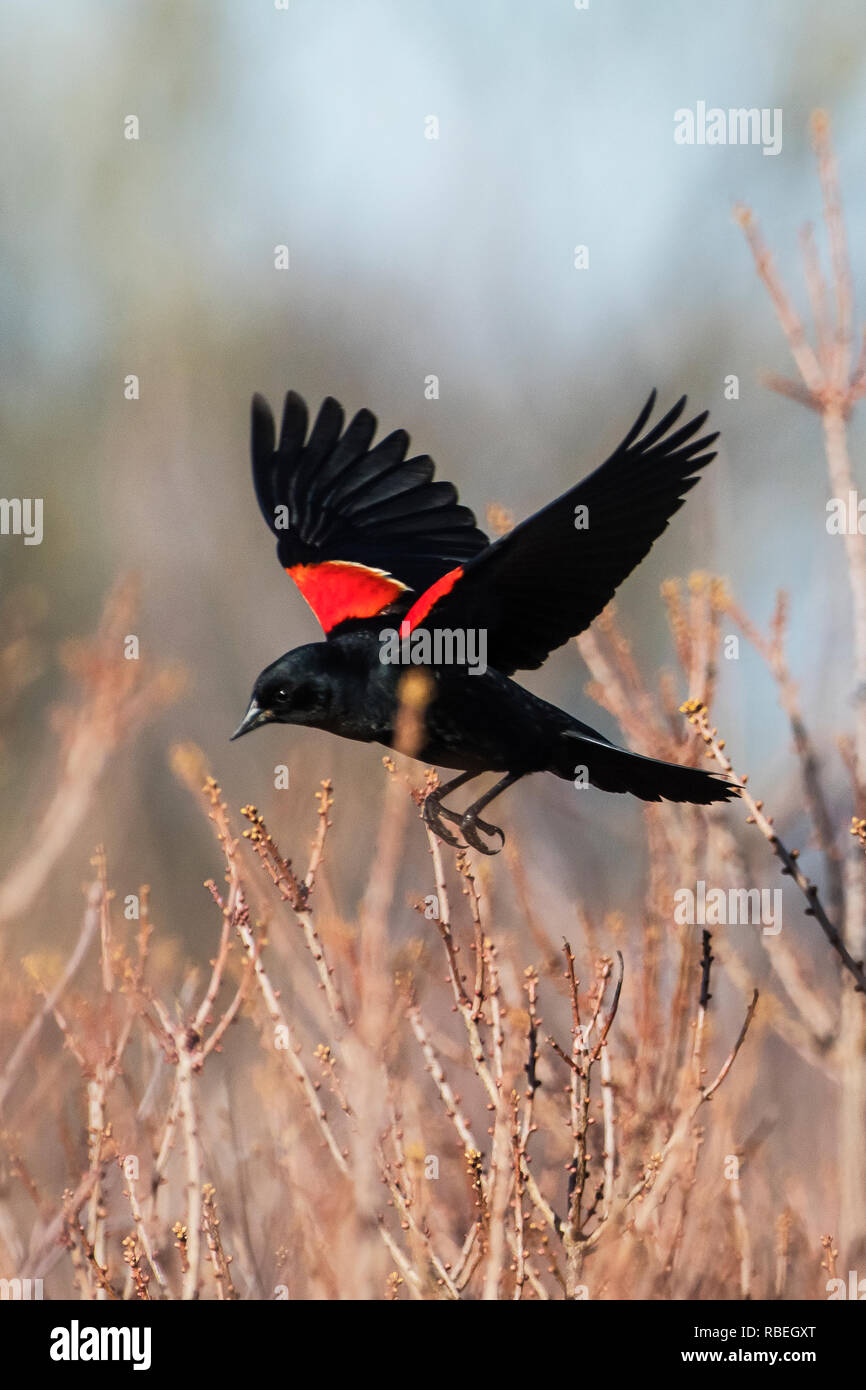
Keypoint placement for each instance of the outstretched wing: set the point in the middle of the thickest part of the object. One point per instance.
(361, 530)
(548, 578)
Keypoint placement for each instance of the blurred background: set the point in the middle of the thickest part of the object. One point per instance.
(409, 256)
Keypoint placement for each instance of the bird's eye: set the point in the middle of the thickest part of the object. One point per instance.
(282, 694)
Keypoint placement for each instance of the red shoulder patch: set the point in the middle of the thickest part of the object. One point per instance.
(421, 607)
(340, 589)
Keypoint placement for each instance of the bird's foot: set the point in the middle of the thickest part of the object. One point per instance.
(435, 814)
(470, 825)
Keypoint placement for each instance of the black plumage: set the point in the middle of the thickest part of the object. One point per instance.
(372, 539)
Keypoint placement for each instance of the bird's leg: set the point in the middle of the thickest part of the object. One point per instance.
(434, 812)
(470, 822)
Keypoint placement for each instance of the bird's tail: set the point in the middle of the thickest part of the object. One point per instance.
(601, 764)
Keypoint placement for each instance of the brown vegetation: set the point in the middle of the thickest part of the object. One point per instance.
(524, 1104)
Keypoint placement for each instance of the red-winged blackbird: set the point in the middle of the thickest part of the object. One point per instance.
(397, 571)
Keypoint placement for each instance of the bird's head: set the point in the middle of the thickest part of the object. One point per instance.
(296, 689)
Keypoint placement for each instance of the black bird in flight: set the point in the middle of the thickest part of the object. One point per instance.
(377, 548)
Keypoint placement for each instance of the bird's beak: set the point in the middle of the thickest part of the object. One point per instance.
(254, 716)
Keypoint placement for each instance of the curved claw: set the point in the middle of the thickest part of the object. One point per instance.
(470, 826)
(434, 814)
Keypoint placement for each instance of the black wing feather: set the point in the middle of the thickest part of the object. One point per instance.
(348, 501)
(546, 580)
